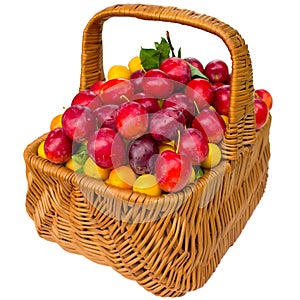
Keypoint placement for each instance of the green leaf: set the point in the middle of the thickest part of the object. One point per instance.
(196, 73)
(150, 58)
(163, 48)
(80, 170)
(179, 53)
(81, 148)
(81, 155)
(199, 173)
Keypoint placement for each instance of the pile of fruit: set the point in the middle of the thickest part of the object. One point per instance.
(153, 126)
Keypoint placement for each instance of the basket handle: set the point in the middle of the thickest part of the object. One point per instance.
(240, 131)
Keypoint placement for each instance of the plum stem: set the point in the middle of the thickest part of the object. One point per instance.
(197, 108)
(124, 97)
(178, 140)
(170, 43)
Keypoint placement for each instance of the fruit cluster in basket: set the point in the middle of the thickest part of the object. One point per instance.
(153, 126)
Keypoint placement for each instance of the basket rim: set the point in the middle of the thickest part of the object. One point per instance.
(63, 173)
(199, 194)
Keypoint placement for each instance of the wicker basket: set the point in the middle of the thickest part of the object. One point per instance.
(173, 243)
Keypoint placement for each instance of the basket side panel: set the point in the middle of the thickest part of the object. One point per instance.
(174, 253)
(180, 252)
(233, 212)
(202, 235)
(47, 197)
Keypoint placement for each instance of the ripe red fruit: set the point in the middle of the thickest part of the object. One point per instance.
(177, 69)
(165, 124)
(58, 146)
(261, 113)
(211, 123)
(222, 99)
(106, 115)
(217, 71)
(141, 152)
(172, 171)
(106, 148)
(265, 96)
(196, 63)
(158, 84)
(96, 87)
(87, 98)
(116, 91)
(201, 91)
(193, 144)
(148, 101)
(216, 85)
(137, 78)
(78, 122)
(228, 80)
(183, 103)
(132, 120)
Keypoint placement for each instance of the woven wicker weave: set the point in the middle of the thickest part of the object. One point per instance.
(173, 243)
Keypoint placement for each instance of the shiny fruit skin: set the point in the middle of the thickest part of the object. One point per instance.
(92, 170)
(106, 148)
(140, 153)
(118, 71)
(87, 98)
(137, 78)
(157, 83)
(135, 64)
(172, 171)
(106, 115)
(214, 156)
(164, 147)
(165, 124)
(193, 176)
(265, 96)
(132, 120)
(195, 62)
(216, 71)
(261, 113)
(201, 91)
(211, 123)
(96, 87)
(217, 85)
(122, 177)
(56, 122)
(177, 69)
(58, 146)
(72, 165)
(182, 102)
(225, 119)
(147, 184)
(222, 100)
(228, 80)
(78, 122)
(41, 149)
(194, 145)
(116, 91)
(148, 101)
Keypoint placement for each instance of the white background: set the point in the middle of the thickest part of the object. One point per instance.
(40, 67)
